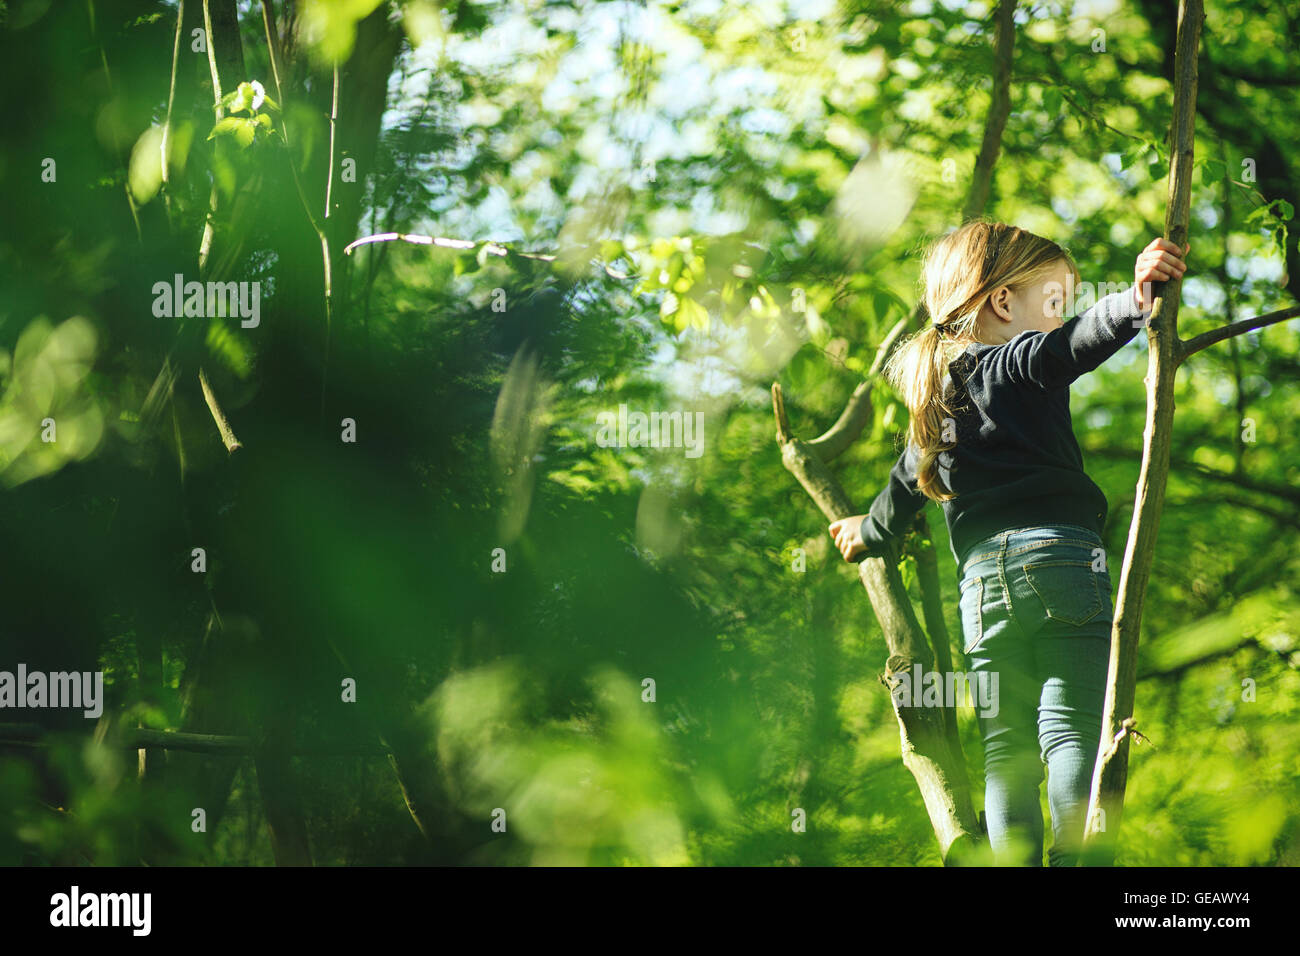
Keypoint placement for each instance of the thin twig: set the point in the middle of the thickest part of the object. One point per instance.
(491, 248)
(326, 257)
(334, 116)
(223, 424)
(171, 99)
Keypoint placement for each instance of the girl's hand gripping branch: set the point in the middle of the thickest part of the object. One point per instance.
(847, 533)
(1158, 262)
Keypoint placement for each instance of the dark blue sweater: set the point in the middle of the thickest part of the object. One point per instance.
(1016, 463)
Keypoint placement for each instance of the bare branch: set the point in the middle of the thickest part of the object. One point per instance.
(334, 118)
(489, 247)
(327, 259)
(171, 100)
(1181, 466)
(982, 179)
(857, 411)
(1195, 344)
(143, 738)
(1110, 771)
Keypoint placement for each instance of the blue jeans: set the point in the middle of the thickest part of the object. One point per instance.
(1036, 610)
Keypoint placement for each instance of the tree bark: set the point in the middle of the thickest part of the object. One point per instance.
(927, 747)
(1110, 773)
(1004, 39)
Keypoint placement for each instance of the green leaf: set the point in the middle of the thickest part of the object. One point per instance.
(144, 174)
(245, 132)
(226, 127)
(1212, 171)
(1134, 154)
(1285, 211)
(1052, 100)
(691, 313)
(668, 306)
(244, 94)
(881, 302)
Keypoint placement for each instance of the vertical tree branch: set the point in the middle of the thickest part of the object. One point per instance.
(334, 118)
(171, 101)
(225, 57)
(927, 577)
(1110, 773)
(986, 161)
(326, 258)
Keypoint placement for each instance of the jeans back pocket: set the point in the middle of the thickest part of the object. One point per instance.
(971, 603)
(1069, 589)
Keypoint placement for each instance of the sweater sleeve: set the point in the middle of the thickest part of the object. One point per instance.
(1055, 359)
(895, 507)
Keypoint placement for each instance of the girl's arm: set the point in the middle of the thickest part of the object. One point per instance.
(1055, 359)
(870, 535)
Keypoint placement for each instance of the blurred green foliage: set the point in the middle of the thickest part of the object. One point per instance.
(734, 195)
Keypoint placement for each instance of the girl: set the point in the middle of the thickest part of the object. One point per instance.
(990, 438)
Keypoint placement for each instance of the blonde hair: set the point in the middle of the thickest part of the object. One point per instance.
(961, 272)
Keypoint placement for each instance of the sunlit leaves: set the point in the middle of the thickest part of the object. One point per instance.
(673, 267)
(247, 98)
(690, 314)
(242, 128)
(1274, 216)
(581, 795)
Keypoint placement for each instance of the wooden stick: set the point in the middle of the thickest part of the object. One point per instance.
(1110, 771)
(223, 424)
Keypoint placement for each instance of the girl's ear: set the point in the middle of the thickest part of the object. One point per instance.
(1000, 303)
